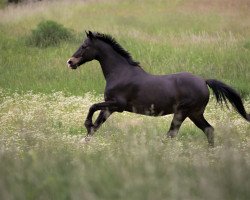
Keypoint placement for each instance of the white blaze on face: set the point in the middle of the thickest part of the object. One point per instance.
(68, 62)
(73, 61)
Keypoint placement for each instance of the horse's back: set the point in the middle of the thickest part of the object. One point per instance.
(177, 85)
(188, 83)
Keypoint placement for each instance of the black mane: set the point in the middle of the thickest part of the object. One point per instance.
(116, 46)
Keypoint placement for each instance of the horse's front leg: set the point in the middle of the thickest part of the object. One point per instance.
(102, 117)
(108, 106)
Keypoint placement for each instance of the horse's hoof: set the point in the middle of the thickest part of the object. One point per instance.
(211, 145)
(86, 139)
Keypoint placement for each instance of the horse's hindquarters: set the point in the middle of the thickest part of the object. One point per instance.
(162, 95)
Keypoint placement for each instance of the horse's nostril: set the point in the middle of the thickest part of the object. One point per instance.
(70, 62)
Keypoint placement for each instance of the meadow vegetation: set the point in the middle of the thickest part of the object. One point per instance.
(49, 33)
(43, 104)
(43, 155)
(210, 39)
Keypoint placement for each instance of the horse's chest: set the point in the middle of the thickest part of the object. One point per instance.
(124, 91)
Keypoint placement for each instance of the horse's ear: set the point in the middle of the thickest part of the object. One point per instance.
(90, 35)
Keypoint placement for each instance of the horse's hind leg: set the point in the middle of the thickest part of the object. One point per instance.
(202, 123)
(176, 124)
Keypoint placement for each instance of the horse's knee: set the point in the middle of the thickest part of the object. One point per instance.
(92, 108)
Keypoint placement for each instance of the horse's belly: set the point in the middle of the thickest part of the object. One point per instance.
(152, 109)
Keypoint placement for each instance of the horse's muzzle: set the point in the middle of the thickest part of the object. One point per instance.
(72, 64)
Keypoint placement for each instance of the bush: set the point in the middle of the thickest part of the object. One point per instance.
(49, 33)
(14, 1)
(20, 1)
(2, 3)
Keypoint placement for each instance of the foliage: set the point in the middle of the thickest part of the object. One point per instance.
(21, 1)
(43, 156)
(2, 3)
(5, 2)
(210, 40)
(247, 45)
(49, 33)
(14, 1)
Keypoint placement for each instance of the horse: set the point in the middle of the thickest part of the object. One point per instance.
(132, 89)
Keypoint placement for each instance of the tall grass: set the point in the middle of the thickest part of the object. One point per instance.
(42, 154)
(43, 104)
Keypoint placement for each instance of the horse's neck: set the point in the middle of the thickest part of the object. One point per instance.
(114, 66)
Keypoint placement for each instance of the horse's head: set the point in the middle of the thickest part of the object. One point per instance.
(86, 52)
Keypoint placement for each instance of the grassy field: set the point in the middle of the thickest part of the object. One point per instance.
(43, 104)
(43, 155)
(207, 38)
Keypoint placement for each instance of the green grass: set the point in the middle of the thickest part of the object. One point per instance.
(43, 104)
(208, 40)
(43, 156)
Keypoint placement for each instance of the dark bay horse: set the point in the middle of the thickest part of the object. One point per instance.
(130, 88)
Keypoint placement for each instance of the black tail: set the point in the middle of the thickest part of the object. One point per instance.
(223, 93)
